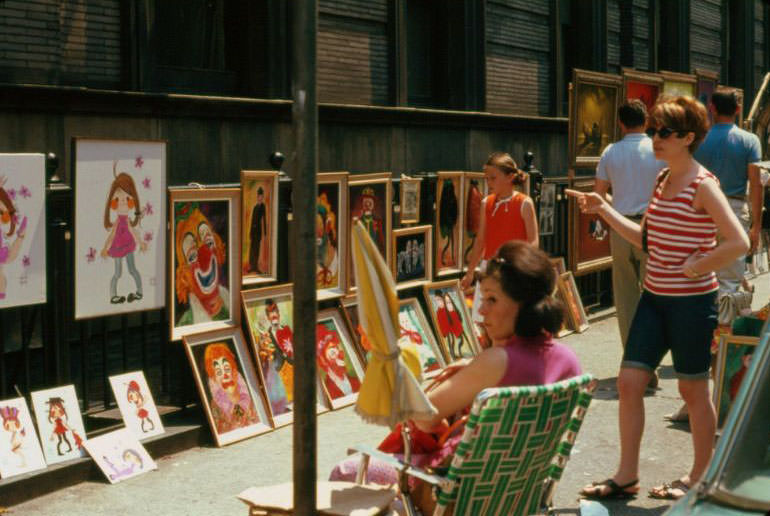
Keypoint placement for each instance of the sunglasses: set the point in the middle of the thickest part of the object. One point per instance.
(665, 132)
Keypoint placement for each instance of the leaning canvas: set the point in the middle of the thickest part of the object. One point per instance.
(19, 448)
(22, 230)
(59, 423)
(120, 455)
(140, 414)
(120, 226)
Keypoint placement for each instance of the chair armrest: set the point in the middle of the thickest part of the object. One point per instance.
(401, 466)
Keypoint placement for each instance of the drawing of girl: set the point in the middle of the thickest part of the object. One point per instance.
(134, 395)
(12, 425)
(122, 241)
(57, 416)
(8, 217)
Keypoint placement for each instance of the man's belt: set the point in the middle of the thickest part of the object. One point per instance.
(637, 216)
(737, 197)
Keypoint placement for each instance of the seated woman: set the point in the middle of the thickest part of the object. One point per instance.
(520, 317)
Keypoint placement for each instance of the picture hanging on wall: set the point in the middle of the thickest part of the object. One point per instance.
(370, 200)
(20, 450)
(589, 236)
(593, 116)
(120, 226)
(679, 84)
(733, 360)
(412, 253)
(136, 404)
(259, 225)
(120, 455)
(22, 230)
(409, 195)
(332, 234)
(474, 191)
(449, 223)
(205, 264)
(547, 216)
(451, 319)
(227, 384)
(644, 86)
(415, 330)
(339, 369)
(706, 86)
(59, 423)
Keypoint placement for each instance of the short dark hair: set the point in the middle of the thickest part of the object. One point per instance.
(632, 113)
(725, 102)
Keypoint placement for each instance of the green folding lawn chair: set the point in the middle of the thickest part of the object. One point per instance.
(513, 451)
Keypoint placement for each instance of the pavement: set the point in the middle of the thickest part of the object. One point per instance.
(205, 480)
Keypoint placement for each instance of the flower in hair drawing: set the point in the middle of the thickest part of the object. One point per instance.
(139, 162)
(146, 183)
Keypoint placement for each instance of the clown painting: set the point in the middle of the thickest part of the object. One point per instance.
(22, 230)
(227, 384)
(331, 234)
(136, 404)
(414, 329)
(205, 266)
(370, 202)
(259, 217)
(120, 218)
(120, 455)
(60, 424)
(338, 367)
(19, 448)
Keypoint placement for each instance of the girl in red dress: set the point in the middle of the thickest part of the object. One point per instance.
(134, 395)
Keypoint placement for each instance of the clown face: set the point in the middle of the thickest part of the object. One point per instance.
(223, 373)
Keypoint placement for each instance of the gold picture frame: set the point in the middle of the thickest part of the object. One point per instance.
(589, 236)
(730, 367)
(332, 246)
(409, 200)
(679, 84)
(380, 223)
(412, 268)
(568, 293)
(474, 191)
(436, 294)
(341, 389)
(448, 224)
(259, 262)
(645, 86)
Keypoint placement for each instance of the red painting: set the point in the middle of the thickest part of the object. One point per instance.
(647, 93)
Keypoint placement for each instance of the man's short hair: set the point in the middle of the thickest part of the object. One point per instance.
(725, 102)
(632, 113)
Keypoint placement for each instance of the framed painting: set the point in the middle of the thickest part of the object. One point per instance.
(22, 230)
(644, 86)
(269, 316)
(59, 423)
(558, 265)
(259, 226)
(409, 196)
(227, 384)
(339, 370)
(589, 236)
(120, 226)
(739, 96)
(370, 200)
(332, 234)
(448, 223)
(134, 399)
(568, 292)
(679, 84)
(547, 216)
(733, 359)
(120, 455)
(451, 319)
(412, 252)
(349, 310)
(205, 263)
(474, 191)
(20, 450)
(415, 329)
(593, 116)
(707, 81)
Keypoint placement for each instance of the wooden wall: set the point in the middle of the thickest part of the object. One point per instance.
(707, 33)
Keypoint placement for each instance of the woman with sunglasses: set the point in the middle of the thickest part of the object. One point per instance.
(677, 310)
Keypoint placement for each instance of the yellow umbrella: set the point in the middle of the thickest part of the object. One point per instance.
(390, 392)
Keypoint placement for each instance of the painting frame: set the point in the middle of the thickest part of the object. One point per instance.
(589, 237)
(362, 181)
(64, 398)
(706, 84)
(455, 178)
(327, 182)
(427, 232)
(576, 314)
(24, 441)
(468, 329)
(95, 167)
(134, 385)
(426, 332)
(270, 217)
(346, 341)
(250, 379)
(558, 265)
(725, 358)
(546, 220)
(635, 83)
(679, 84)
(606, 86)
(348, 306)
(195, 196)
(409, 188)
(468, 233)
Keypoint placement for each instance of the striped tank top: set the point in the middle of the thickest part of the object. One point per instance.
(675, 230)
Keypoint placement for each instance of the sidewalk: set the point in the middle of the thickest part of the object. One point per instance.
(204, 480)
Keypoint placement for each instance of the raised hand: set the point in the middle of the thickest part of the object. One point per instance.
(589, 202)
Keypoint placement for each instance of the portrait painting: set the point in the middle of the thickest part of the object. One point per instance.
(370, 200)
(331, 234)
(205, 262)
(120, 455)
(593, 115)
(409, 195)
(412, 252)
(259, 226)
(474, 191)
(733, 360)
(589, 236)
(227, 384)
(22, 230)
(679, 84)
(559, 265)
(120, 226)
(136, 404)
(414, 329)
(568, 292)
(59, 423)
(547, 215)
(338, 367)
(644, 86)
(451, 319)
(20, 450)
(448, 223)
(348, 306)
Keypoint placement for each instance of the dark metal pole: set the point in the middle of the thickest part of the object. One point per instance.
(305, 121)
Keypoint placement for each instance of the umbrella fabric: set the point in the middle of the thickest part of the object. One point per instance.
(390, 391)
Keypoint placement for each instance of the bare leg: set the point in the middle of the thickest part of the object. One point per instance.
(703, 422)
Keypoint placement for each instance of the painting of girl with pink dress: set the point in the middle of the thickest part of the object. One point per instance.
(19, 448)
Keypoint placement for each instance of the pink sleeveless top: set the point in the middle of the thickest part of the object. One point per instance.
(538, 361)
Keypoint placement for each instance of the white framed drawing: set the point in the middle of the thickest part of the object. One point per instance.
(19, 448)
(120, 226)
(136, 404)
(120, 455)
(59, 423)
(22, 230)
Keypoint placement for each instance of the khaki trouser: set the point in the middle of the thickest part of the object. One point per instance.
(628, 266)
(730, 277)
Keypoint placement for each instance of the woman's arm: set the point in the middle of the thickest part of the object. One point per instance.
(478, 247)
(530, 221)
(459, 391)
(592, 202)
